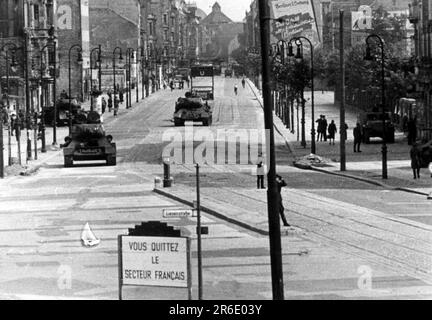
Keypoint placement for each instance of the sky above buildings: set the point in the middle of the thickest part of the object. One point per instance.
(234, 9)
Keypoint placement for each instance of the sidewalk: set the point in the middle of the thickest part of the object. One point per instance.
(29, 167)
(364, 166)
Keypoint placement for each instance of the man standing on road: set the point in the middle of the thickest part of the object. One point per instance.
(357, 138)
(116, 106)
(236, 89)
(332, 132)
(415, 160)
(280, 184)
(260, 172)
(244, 83)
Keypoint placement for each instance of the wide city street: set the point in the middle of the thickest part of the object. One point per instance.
(349, 239)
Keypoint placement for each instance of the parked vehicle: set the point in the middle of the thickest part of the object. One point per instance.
(88, 141)
(192, 109)
(372, 126)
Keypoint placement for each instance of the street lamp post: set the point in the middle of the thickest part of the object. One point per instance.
(114, 67)
(79, 49)
(43, 139)
(13, 65)
(369, 57)
(300, 56)
(129, 57)
(99, 62)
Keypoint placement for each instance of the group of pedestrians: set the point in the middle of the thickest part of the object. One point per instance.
(327, 132)
(236, 86)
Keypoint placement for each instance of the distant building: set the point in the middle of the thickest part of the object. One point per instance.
(220, 31)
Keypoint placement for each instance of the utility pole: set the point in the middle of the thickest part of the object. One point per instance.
(272, 193)
(198, 208)
(27, 95)
(343, 132)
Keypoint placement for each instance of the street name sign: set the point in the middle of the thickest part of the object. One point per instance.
(154, 261)
(179, 213)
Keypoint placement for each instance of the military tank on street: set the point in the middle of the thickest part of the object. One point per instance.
(193, 109)
(88, 141)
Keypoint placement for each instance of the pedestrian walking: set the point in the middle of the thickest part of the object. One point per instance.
(320, 131)
(415, 160)
(332, 130)
(260, 172)
(116, 106)
(235, 89)
(121, 95)
(357, 138)
(412, 131)
(104, 105)
(324, 128)
(244, 83)
(280, 184)
(110, 104)
(346, 131)
(172, 85)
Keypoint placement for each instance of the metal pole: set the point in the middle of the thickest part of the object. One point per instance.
(55, 96)
(41, 99)
(70, 97)
(200, 284)
(100, 69)
(8, 106)
(313, 145)
(303, 120)
(272, 194)
(384, 146)
(342, 128)
(27, 98)
(91, 80)
(114, 75)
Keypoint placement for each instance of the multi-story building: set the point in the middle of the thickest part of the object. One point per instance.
(220, 31)
(26, 29)
(420, 14)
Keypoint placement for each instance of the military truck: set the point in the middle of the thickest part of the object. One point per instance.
(372, 126)
(192, 108)
(88, 141)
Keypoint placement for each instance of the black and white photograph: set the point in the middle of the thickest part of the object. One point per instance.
(232, 151)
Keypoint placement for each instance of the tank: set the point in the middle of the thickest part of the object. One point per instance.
(88, 141)
(372, 126)
(192, 109)
(62, 111)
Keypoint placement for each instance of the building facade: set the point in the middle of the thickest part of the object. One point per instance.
(26, 29)
(420, 14)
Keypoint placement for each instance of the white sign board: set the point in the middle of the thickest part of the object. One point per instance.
(154, 261)
(362, 19)
(179, 213)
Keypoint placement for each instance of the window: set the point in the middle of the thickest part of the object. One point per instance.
(151, 26)
(165, 19)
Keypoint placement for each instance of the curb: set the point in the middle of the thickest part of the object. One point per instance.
(369, 181)
(32, 169)
(213, 213)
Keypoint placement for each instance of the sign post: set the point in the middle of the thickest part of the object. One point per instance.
(154, 255)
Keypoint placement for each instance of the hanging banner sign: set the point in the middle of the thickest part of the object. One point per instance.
(298, 19)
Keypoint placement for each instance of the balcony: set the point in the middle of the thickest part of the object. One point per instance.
(414, 12)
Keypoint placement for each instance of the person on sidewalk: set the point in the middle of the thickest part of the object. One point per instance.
(324, 128)
(332, 130)
(415, 160)
(116, 106)
(280, 184)
(121, 96)
(320, 128)
(104, 105)
(244, 83)
(260, 172)
(235, 89)
(412, 131)
(357, 138)
(110, 103)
